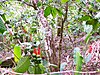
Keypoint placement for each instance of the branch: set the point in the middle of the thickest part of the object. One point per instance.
(34, 5)
(61, 37)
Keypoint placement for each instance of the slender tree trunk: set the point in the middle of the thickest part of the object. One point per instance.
(61, 35)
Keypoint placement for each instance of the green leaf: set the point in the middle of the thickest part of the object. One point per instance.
(97, 0)
(26, 0)
(3, 16)
(59, 11)
(50, 0)
(17, 53)
(31, 70)
(64, 1)
(37, 69)
(96, 26)
(42, 68)
(47, 11)
(54, 12)
(1, 61)
(85, 18)
(78, 59)
(22, 65)
(77, 0)
(39, 3)
(88, 37)
(2, 26)
(94, 23)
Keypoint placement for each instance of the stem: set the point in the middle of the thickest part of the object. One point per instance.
(34, 5)
(61, 37)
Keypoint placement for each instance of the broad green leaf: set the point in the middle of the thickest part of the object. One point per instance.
(77, 49)
(2, 26)
(0, 61)
(42, 68)
(39, 3)
(37, 69)
(26, 0)
(85, 18)
(97, 0)
(3, 16)
(77, 0)
(64, 1)
(22, 65)
(17, 53)
(50, 0)
(96, 26)
(31, 70)
(94, 23)
(0, 7)
(54, 12)
(60, 13)
(79, 62)
(47, 11)
(78, 59)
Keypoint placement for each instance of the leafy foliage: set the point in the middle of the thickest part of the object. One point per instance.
(17, 53)
(22, 65)
(37, 23)
(37, 69)
(78, 59)
(2, 26)
(64, 1)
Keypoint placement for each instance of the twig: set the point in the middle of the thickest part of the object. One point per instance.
(34, 5)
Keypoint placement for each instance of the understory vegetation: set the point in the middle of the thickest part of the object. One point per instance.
(57, 37)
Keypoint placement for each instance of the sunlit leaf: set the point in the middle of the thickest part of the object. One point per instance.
(78, 59)
(88, 37)
(31, 70)
(85, 18)
(60, 13)
(64, 1)
(47, 11)
(50, 0)
(98, 0)
(37, 69)
(17, 53)
(54, 12)
(22, 65)
(77, 0)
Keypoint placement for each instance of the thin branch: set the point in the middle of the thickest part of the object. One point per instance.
(34, 5)
(61, 37)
